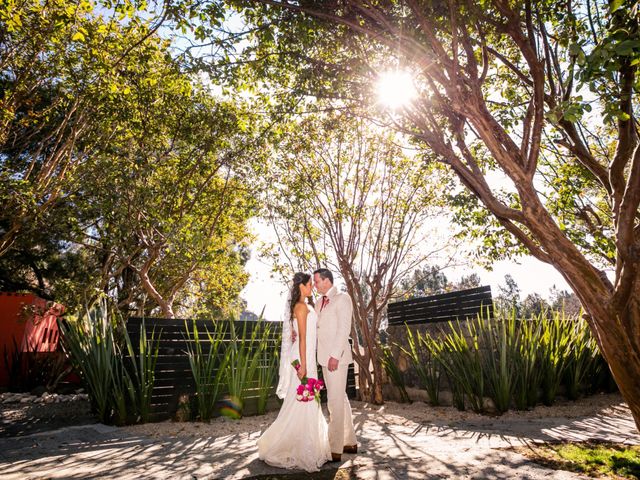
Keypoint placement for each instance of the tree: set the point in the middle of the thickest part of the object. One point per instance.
(509, 297)
(65, 75)
(345, 197)
(122, 175)
(563, 300)
(172, 205)
(533, 305)
(506, 87)
(423, 282)
(467, 281)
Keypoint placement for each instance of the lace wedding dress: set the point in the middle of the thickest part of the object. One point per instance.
(298, 439)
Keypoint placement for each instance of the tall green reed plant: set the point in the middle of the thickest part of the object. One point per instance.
(91, 345)
(554, 350)
(394, 373)
(527, 372)
(244, 358)
(424, 363)
(142, 370)
(461, 358)
(208, 366)
(499, 348)
(268, 368)
(582, 363)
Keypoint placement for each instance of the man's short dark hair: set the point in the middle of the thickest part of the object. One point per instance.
(324, 274)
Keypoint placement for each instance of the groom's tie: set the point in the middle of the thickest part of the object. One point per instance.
(324, 302)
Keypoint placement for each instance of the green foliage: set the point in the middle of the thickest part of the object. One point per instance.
(461, 358)
(112, 155)
(91, 345)
(390, 366)
(245, 353)
(502, 349)
(424, 364)
(595, 459)
(267, 370)
(528, 376)
(515, 362)
(208, 366)
(142, 370)
(555, 344)
(119, 386)
(584, 362)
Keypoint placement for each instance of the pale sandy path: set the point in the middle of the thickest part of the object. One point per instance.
(396, 441)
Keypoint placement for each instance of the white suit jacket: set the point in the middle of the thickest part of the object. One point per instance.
(334, 328)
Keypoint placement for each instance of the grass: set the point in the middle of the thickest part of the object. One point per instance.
(596, 459)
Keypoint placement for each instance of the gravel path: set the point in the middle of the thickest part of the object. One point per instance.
(396, 441)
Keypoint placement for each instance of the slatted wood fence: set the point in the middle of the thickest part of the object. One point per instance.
(173, 373)
(461, 305)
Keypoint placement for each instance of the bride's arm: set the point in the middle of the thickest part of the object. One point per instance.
(301, 312)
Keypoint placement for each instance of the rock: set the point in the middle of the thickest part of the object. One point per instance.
(26, 400)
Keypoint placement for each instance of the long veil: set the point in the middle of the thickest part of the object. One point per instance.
(285, 349)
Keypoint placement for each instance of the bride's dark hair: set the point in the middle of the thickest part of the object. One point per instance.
(299, 278)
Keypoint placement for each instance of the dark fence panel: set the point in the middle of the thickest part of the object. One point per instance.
(463, 304)
(173, 373)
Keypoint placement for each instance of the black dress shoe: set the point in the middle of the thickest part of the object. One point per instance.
(336, 457)
(350, 449)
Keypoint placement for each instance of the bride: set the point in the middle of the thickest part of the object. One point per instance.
(298, 438)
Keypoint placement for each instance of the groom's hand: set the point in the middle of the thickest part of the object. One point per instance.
(332, 364)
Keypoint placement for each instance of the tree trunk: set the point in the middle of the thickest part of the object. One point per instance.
(370, 374)
(621, 348)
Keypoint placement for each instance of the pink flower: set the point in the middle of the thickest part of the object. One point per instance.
(309, 390)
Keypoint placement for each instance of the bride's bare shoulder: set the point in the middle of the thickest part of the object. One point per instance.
(301, 310)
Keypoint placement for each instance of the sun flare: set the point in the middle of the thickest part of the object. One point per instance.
(395, 89)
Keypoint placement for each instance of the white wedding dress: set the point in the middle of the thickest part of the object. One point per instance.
(299, 438)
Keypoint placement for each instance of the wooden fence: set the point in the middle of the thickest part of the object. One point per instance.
(461, 305)
(173, 373)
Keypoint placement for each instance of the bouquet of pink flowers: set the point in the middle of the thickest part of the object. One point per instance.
(309, 389)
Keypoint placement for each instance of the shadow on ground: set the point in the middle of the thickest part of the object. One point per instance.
(18, 419)
(330, 474)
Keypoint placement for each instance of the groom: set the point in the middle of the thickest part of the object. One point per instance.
(334, 311)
